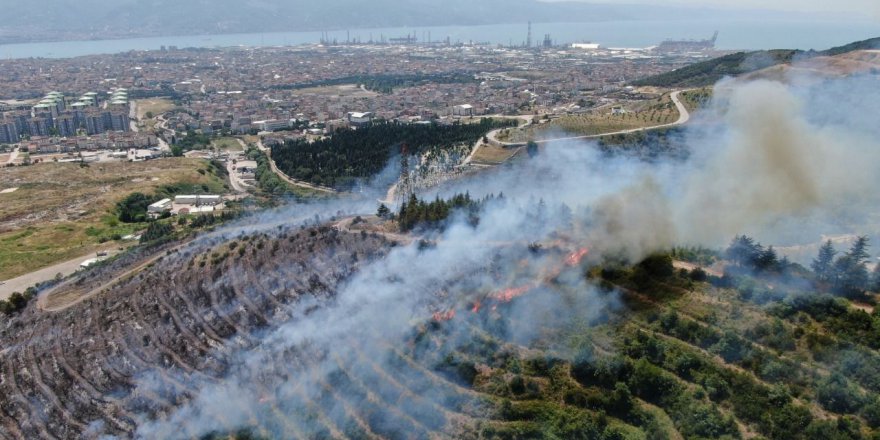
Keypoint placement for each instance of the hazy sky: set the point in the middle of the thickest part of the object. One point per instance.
(860, 7)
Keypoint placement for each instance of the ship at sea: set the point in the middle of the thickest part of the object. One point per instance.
(688, 45)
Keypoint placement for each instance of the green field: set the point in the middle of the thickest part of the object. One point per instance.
(227, 144)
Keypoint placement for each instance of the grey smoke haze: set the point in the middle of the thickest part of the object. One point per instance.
(778, 162)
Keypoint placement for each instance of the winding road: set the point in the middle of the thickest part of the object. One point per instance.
(683, 117)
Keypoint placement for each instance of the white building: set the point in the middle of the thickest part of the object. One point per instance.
(271, 125)
(586, 46)
(197, 200)
(463, 110)
(156, 209)
(360, 118)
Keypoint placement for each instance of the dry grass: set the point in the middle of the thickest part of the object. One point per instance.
(227, 144)
(693, 100)
(346, 90)
(492, 155)
(156, 106)
(639, 114)
(62, 211)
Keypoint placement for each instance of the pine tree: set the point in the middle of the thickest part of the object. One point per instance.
(767, 260)
(822, 265)
(875, 282)
(743, 251)
(859, 250)
(383, 211)
(850, 273)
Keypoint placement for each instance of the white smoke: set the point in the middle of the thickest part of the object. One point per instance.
(769, 160)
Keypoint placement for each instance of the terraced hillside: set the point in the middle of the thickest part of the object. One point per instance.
(65, 371)
(231, 340)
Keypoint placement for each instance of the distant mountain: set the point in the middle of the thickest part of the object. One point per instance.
(709, 72)
(100, 19)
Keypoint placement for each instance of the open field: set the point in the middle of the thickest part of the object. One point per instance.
(348, 90)
(493, 155)
(63, 211)
(155, 106)
(227, 144)
(636, 115)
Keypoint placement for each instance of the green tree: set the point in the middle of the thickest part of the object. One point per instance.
(850, 274)
(383, 211)
(532, 148)
(743, 251)
(156, 231)
(658, 266)
(837, 394)
(875, 282)
(133, 209)
(823, 264)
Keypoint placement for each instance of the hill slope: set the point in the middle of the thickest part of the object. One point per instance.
(636, 352)
(709, 72)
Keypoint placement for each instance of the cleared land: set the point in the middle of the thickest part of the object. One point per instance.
(493, 155)
(227, 144)
(349, 90)
(634, 115)
(155, 106)
(63, 211)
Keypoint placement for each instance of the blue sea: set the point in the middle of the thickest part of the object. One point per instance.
(733, 34)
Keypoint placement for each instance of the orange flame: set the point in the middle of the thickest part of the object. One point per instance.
(575, 258)
(476, 307)
(509, 294)
(444, 316)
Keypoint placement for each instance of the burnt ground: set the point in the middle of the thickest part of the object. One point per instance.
(64, 371)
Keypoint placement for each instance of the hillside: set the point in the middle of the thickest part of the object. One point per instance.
(582, 349)
(709, 72)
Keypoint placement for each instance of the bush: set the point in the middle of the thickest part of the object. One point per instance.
(156, 231)
(658, 266)
(835, 393)
(133, 209)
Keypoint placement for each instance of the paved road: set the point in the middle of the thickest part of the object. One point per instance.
(237, 184)
(42, 301)
(493, 133)
(683, 117)
(20, 284)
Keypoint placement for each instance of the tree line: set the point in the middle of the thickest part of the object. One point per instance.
(348, 155)
(845, 274)
(384, 83)
(419, 213)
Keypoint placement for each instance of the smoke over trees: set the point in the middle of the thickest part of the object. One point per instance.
(510, 327)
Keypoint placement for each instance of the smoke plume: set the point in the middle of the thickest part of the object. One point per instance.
(782, 163)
